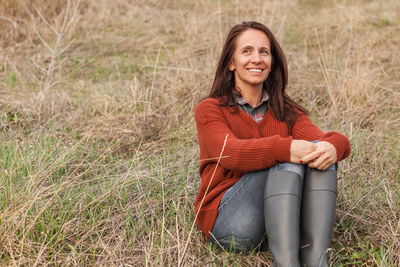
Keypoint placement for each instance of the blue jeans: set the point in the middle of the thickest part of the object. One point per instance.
(240, 224)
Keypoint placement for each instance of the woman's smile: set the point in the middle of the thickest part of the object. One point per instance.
(255, 70)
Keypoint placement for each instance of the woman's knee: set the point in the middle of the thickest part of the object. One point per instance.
(321, 180)
(284, 178)
(237, 244)
(240, 222)
(299, 169)
(241, 231)
(244, 236)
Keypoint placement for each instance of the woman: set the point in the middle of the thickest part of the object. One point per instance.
(276, 175)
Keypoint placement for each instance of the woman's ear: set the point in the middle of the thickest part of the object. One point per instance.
(231, 66)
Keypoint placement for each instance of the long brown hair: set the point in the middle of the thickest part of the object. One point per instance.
(282, 106)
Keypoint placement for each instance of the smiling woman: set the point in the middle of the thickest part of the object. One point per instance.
(274, 181)
(251, 64)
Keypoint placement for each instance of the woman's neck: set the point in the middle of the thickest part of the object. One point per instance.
(251, 94)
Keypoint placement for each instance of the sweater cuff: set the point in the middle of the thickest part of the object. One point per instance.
(282, 149)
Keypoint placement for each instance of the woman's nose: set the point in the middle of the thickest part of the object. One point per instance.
(256, 57)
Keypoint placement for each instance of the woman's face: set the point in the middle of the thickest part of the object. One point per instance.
(252, 59)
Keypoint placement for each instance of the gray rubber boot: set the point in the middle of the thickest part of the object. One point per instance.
(317, 216)
(282, 198)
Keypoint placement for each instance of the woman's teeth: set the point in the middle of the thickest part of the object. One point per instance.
(255, 70)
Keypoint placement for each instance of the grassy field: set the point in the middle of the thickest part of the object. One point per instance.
(98, 145)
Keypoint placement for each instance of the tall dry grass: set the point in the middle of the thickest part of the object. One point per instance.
(98, 152)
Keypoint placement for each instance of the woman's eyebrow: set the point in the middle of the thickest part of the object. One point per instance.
(249, 46)
(246, 46)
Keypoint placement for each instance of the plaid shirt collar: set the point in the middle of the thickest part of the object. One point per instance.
(242, 101)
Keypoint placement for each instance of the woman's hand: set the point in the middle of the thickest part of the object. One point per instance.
(299, 149)
(323, 156)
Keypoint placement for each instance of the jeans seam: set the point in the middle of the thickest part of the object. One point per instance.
(233, 193)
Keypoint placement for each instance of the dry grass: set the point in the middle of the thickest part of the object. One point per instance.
(98, 157)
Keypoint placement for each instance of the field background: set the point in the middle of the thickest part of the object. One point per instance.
(98, 146)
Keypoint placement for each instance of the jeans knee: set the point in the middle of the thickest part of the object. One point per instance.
(321, 180)
(284, 178)
(299, 169)
(233, 243)
(241, 234)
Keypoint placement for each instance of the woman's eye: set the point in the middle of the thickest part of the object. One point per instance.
(266, 52)
(246, 51)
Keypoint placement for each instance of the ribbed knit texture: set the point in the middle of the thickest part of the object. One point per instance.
(250, 146)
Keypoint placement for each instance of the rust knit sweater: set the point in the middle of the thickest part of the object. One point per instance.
(250, 146)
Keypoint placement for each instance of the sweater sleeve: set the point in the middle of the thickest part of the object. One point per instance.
(304, 129)
(239, 154)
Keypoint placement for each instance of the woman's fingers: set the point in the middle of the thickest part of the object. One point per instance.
(319, 164)
(322, 163)
(311, 157)
(322, 157)
(325, 166)
(319, 156)
(299, 149)
(329, 149)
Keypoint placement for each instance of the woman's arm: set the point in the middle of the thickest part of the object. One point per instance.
(333, 146)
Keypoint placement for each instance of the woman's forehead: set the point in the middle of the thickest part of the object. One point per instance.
(254, 38)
